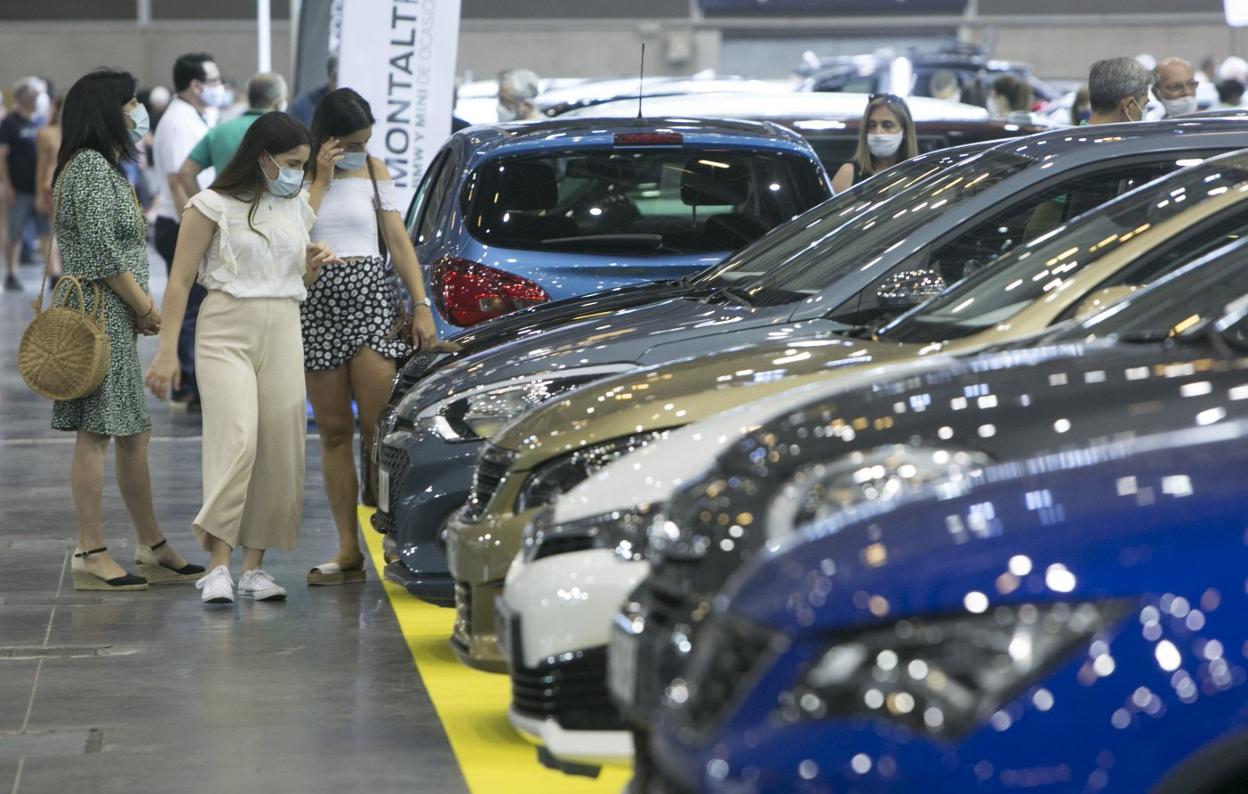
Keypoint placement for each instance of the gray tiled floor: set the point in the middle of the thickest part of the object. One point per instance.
(317, 694)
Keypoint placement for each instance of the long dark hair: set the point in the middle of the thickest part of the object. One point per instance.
(909, 143)
(92, 118)
(242, 179)
(339, 113)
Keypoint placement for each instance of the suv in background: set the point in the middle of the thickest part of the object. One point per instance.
(910, 74)
(518, 214)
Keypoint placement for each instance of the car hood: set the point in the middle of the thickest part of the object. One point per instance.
(649, 334)
(1092, 523)
(675, 394)
(528, 322)
(651, 473)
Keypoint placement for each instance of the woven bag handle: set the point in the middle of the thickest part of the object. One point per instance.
(97, 295)
(73, 282)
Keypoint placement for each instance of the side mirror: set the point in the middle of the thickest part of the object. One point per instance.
(1101, 300)
(910, 288)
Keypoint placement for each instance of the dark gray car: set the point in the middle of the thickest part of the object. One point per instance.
(847, 263)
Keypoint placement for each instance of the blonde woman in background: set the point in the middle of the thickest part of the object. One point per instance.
(886, 138)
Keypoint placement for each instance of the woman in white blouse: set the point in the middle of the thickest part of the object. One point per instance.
(246, 239)
(352, 329)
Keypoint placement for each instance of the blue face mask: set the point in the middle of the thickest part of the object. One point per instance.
(352, 161)
(288, 182)
(142, 123)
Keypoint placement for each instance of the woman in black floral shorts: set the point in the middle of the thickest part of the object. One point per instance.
(351, 339)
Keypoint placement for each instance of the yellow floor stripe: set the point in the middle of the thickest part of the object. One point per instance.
(472, 705)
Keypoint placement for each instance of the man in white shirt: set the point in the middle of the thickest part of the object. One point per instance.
(197, 85)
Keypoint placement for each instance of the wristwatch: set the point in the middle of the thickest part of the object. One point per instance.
(424, 302)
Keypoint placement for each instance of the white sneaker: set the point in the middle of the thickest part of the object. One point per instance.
(217, 586)
(258, 584)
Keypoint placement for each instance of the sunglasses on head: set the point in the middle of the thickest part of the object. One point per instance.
(886, 97)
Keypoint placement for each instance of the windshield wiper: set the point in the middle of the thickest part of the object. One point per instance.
(734, 295)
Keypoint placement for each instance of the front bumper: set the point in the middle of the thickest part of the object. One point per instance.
(427, 479)
(479, 554)
(650, 644)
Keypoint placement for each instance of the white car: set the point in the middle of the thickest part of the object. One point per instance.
(582, 559)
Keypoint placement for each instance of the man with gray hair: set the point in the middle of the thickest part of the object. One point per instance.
(517, 95)
(1175, 87)
(265, 92)
(1118, 90)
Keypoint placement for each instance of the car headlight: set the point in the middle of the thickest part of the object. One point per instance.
(558, 476)
(622, 531)
(820, 490)
(944, 676)
(482, 411)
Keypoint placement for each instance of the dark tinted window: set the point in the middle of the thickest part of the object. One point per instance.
(438, 194)
(662, 201)
(1047, 262)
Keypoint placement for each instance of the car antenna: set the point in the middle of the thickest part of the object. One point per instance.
(641, 80)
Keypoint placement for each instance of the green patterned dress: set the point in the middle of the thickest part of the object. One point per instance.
(102, 234)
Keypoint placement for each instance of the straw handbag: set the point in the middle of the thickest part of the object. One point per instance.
(64, 352)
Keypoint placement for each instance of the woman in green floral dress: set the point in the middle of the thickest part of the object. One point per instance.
(102, 235)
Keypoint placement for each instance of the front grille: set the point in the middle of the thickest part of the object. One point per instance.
(727, 655)
(665, 609)
(409, 374)
(573, 692)
(492, 466)
(395, 462)
(564, 544)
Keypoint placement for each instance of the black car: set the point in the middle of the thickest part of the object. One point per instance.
(1170, 357)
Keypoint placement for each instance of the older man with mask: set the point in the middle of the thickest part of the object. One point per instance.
(517, 95)
(1118, 90)
(1175, 87)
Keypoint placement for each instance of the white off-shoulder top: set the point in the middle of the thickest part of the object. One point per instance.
(267, 261)
(347, 220)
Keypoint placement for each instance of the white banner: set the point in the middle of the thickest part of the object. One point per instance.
(400, 56)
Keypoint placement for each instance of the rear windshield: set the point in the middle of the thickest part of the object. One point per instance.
(641, 202)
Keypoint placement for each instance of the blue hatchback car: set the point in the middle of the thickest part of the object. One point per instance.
(512, 215)
(1070, 623)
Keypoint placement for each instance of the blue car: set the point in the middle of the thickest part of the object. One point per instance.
(513, 215)
(1067, 623)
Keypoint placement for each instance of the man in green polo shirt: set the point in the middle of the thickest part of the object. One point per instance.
(266, 91)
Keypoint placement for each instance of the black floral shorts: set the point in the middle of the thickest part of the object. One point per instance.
(351, 306)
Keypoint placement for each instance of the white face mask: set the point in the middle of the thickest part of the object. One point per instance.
(884, 145)
(505, 113)
(214, 96)
(1179, 107)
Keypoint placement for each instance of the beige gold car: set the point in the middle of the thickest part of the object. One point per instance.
(1070, 272)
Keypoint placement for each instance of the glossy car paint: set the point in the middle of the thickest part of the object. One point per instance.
(481, 548)
(680, 327)
(572, 273)
(1004, 405)
(1156, 525)
(566, 628)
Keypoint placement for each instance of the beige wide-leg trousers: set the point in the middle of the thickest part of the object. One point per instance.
(249, 363)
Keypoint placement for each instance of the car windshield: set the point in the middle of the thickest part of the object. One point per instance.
(789, 242)
(1030, 271)
(1185, 299)
(660, 201)
(860, 237)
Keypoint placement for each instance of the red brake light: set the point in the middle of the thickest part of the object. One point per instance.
(469, 292)
(649, 139)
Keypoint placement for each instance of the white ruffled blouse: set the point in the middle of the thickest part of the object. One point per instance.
(265, 258)
(347, 220)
